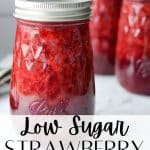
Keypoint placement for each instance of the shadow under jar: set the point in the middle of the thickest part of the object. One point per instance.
(53, 61)
(104, 30)
(133, 50)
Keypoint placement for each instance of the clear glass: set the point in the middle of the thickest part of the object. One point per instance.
(52, 69)
(104, 30)
(133, 50)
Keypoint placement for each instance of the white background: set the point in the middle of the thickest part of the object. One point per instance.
(7, 27)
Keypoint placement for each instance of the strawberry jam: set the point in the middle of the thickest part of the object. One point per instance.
(104, 28)
(133, 50)
(53, 60)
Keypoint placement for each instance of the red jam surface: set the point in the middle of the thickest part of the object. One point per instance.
(52, 69)
(133, 50)
(104, 29)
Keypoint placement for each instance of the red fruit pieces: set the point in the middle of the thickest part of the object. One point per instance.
(134, 30)
(105, 18)
(104, 30)
(133, 49)
(54, 60)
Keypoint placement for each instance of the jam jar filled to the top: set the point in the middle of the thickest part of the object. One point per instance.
(104, 30)
(133, 50)
(53, 60)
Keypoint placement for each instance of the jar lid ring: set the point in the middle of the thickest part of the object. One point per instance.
(52, 10)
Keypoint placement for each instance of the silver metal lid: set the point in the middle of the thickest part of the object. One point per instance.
(52, 10)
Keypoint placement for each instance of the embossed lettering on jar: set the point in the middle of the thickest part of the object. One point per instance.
(133, 50)
(52, 68)
(104, 30)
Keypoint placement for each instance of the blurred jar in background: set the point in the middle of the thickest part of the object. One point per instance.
(133, 50)
(104, 28)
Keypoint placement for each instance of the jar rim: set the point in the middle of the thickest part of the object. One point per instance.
(52, 10)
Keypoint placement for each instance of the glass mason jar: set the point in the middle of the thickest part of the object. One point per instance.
(133, 50)
(104, 30)
(53, 60)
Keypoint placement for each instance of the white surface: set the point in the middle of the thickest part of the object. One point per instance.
(110, 99)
